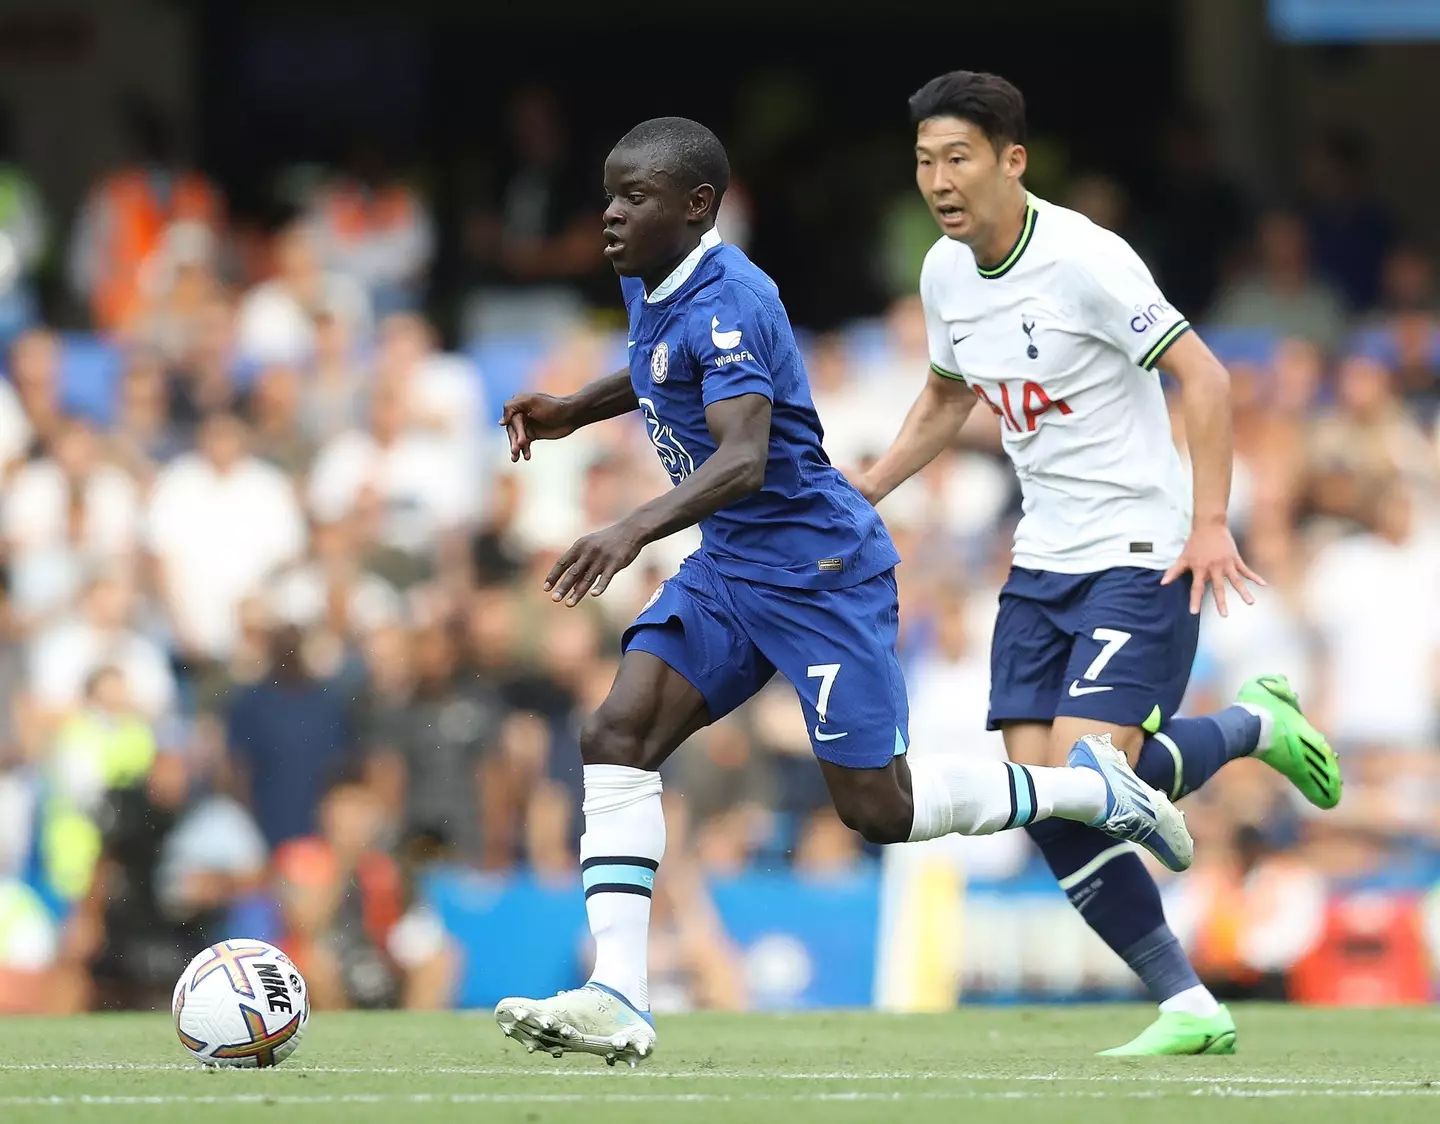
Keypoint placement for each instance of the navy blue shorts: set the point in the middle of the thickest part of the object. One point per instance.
(1115, 646)
(836, 646)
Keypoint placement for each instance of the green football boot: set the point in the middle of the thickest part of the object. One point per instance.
(1176, 1032)
(1297, 751)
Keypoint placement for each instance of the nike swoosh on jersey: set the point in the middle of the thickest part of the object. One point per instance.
(725, 341)
(821, 736)
(630, 344)
(956, 341)
(1076, 690)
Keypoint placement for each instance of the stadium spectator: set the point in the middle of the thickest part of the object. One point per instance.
(34, 370)
(333, 394)
(443, 393)
(330, 594)
(274, 408)
(276, 319)
(1407, 282)
(206, 378)
(1367, 441)
(146, 945)
(65, 514)
(1282, 292)
(288, 735)
(416, 480)
(723, 788)
(531, 247)
(177, 290)
(352, 926)
(438, 746)
(219, 521)
(1380, 644)
(372, 226)
(101, 634)
(1197, 226)
(124, 220)
(142, 439)
(1351, 230)
(1247, 912)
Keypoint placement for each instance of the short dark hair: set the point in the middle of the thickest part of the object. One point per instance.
(684, 149)
(985, 100)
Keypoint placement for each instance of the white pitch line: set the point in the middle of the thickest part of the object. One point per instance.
(604, 1073)
(681, 1098)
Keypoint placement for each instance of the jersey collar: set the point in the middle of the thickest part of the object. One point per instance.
(708, 241)
(1027, 232)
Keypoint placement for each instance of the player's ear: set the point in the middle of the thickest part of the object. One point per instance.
(1015, 160)
(702, 203)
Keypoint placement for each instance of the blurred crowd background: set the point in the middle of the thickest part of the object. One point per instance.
(273, 647)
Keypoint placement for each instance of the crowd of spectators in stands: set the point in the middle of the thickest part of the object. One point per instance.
(273, 633)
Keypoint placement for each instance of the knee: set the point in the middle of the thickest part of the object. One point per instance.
(606, 739)
(877, 820)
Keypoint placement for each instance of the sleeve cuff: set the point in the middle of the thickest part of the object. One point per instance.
(944, 374)
(1162, 345)
(738, 388)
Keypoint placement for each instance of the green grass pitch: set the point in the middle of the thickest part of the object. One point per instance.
(995, 1065)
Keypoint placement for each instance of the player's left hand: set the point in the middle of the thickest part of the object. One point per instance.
(591, 562)
(1212, 556)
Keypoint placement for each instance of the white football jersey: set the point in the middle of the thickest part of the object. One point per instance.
(1060, 341)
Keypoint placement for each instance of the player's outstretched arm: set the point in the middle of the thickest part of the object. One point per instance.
(930, 427)
(543, 417)
(1210, 554)
(741, 429)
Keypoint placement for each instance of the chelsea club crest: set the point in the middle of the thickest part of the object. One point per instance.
(660, 362)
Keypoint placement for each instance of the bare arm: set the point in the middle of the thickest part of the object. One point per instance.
(1205, 399)
(603, 399)
(543, 417)
(1211, 554)
(741, 429)
(930, 427)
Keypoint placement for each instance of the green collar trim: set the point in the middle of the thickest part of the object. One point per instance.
(1027, 232)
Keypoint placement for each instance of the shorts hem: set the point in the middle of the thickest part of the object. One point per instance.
(652, 640)
(996, 721)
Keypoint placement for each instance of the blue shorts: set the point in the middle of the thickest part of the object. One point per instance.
(1115, 646)
(836, 646)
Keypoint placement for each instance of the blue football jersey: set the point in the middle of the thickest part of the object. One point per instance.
(716, 330)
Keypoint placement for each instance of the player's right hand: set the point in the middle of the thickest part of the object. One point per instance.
(535, 417)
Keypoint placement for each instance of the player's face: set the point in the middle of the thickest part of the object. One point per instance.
(962, 177)
(645, 216)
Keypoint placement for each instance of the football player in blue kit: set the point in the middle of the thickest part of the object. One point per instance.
(795, 574)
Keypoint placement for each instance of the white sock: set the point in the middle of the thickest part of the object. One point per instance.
(1195, 1000)
(1267, 723)
(955, 794)
(620, 851)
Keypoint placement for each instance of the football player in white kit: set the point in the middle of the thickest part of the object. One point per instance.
(1058, 328)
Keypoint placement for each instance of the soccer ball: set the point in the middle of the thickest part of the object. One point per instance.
(241, 1003)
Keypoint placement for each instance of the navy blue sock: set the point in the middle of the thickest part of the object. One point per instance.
(1106, 881)
(1187, 752)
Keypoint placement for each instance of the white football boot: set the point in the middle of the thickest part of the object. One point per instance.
(590, 1020)
(1134, 810)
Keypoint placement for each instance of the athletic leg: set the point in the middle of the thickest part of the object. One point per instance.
(1266, 722)
(1130, 661)
(686, 663)
(838, 649)
(650, 711)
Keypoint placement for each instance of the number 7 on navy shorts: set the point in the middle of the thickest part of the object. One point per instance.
(836, 646)
(1115, 646)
